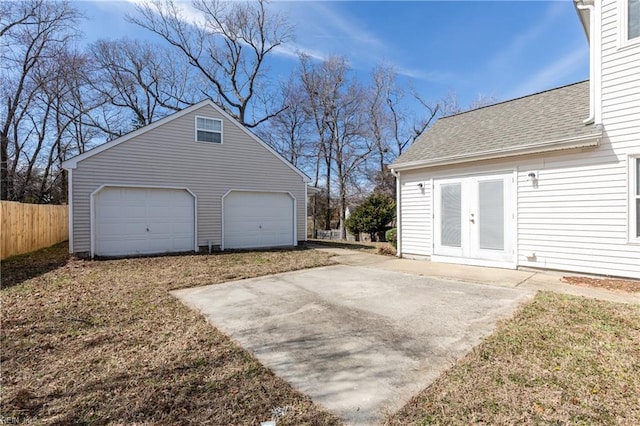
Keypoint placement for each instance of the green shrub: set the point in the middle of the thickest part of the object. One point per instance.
(373, 216)
(392, 237)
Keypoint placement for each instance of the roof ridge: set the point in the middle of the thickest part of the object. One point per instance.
(515, 99)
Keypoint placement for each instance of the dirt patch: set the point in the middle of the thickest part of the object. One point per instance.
(622, 286)
(560, 360)
(104, 342)
(382, 248)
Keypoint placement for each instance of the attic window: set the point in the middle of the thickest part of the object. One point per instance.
(208, 130)
(633, 19)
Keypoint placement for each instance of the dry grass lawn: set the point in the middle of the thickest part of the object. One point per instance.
(103, 342)
(97, 342)
(561, 360)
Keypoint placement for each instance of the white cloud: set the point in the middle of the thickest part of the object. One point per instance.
(552, 74)
(346, 27)
(425, 75)
(323, 31)
(519, 44)
(292, 50)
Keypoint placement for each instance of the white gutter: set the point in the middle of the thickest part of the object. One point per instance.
(396, 174)
(582, 5)
(590, 140)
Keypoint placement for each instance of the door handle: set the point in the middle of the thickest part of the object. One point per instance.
(472, 219)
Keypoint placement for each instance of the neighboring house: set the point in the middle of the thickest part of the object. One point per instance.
(550, 180)
(195, 180)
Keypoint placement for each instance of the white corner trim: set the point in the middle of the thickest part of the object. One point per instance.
(92, 212)
(70, 207)
(295, 219)
(306, 204)
(398, 177)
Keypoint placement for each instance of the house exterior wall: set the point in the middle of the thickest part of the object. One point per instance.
(576, 217)
(169, 156)
(416, 212)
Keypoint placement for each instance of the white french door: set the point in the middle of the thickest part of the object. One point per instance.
(473, 219)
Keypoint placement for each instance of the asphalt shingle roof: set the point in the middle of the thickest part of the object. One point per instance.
(539, 118)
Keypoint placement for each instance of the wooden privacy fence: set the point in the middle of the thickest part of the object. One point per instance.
(29, 227)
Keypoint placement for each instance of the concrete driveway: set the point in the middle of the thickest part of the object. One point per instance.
(359, 341)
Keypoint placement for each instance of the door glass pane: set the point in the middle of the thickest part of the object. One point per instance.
(633, 29)
(637, 197)
(491, 214)
(638, 217)
(637, 176)
(450, 206)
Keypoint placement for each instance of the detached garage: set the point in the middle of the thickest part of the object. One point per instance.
(195, 180)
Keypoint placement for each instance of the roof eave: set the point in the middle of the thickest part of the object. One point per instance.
(313, 190)
(584, 141)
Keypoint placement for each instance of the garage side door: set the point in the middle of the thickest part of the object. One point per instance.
(130, 221)
(258, 219)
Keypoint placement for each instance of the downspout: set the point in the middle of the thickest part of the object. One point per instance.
(582, 5)
(396, 174)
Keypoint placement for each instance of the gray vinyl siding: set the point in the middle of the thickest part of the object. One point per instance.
(169, 156)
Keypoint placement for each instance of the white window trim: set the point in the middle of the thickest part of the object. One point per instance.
(623, 9)
(634, 170)
(210, 131)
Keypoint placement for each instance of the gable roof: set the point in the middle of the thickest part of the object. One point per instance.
(544, 121)
(72, 162)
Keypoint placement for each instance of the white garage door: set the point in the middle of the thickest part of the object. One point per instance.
(143, 221)
(258, 219)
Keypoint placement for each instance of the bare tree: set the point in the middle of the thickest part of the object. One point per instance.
(228, 45)
(430, 113)
(450, 105)
(381, 121)
(337, 106)
(289, 132)
(352, 147)
(482, 100)
(144, 79)
(36, 33)
(321, 83)
(12, 15)
(129, 76)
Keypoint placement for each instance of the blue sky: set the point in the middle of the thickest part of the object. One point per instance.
(502, 49)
